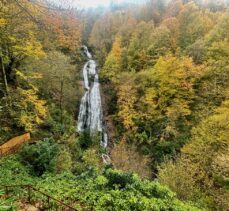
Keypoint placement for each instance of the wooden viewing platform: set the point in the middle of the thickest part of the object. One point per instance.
(13, 144)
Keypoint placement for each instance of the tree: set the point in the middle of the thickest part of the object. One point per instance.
(205, 157)
(161, 44)
(137, 55)
(172, 93)
(174, 7)
(28, 111)
(18, 36)
(63, 30)
(127, 28)
(194, 24)
(58, 78)
(220, 31)
(112, 67)
(153, 10)
(212, 89)
(174, 27)
(28, 28)
(127, 99)
(103, 33)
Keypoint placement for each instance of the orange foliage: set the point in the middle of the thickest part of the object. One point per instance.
(64, 28)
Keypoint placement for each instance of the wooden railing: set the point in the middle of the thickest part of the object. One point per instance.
(47, 201)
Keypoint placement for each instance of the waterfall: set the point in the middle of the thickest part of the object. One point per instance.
(90, 114)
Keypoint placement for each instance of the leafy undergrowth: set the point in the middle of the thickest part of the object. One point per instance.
(6, 204)
(108, 190)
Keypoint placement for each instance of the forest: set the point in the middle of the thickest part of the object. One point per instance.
(159, 72)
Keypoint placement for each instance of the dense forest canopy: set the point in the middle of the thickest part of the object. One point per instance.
(164, 77)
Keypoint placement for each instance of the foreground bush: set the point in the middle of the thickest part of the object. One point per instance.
(110, 190)
(40, 157)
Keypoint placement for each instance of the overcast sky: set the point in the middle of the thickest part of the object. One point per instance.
(93, 3)
(90, 3)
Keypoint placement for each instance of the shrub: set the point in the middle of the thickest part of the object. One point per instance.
(40, 157)
(128, 159)
(118, 179)
(63, 161)
(85, 140)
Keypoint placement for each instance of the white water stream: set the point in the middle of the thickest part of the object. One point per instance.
(90, 115)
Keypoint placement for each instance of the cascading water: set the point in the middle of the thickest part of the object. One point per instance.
(90, 115)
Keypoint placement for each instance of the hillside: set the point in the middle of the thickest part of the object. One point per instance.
(123, 107)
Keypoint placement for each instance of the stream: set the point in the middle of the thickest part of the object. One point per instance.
(90, 116)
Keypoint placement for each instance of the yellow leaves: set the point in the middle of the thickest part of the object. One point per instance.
(151, 96)
(169, 65)
(167, 93)
(112, 67)
(149, 104)
(204, 160)
(20, 36)
(219, 51)
(30, 96)
(29, 111)
(23, 77)
(36, 76)
(126, 101)
(2, 22)
(35, 25)
(224, 108)
(211, 136)
(21, 74)
(175, 85)
(116, 49)
(206, 154)
(34, 48)
(30, 47)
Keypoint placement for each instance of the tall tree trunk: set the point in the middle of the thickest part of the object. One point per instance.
(4, 76)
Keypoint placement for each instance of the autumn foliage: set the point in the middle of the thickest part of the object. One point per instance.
(168, 70)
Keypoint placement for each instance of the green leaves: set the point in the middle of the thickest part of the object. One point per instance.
(6, 204)
(109, 190)
(40, 157)
(113, 190)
